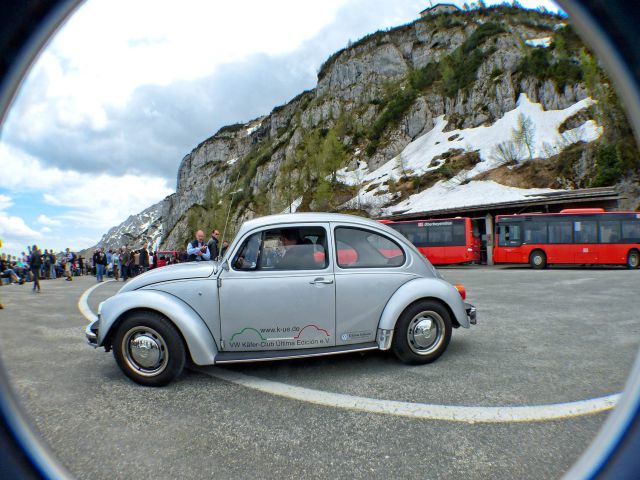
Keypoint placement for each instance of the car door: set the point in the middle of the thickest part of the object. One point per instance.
(279, 295)
(368, 271)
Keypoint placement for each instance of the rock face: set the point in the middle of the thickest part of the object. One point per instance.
(375, 97)
(145, 226)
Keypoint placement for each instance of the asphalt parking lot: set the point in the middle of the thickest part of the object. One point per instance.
(543, 338)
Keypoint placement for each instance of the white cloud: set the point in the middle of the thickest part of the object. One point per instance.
(45, 230)
(5, 202)
(88, 203)
(44, 220)
(15, 232)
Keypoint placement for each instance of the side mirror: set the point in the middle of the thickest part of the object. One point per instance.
(225, 265)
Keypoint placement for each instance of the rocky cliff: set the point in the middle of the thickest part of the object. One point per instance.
(375, 99)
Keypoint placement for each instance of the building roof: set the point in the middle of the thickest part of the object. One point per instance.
(584, 195)
(438, 6)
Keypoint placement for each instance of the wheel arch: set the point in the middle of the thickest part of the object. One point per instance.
(197, 338)
(424, 289)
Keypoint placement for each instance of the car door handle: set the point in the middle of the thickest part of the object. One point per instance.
(321, 280)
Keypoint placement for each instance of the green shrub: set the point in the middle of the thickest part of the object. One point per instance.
(425, 77)
(614, 161)
(396, 105)
(539, 63)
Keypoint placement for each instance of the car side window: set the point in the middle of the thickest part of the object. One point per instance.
(360, 248)
(291, 248)
(248, 255)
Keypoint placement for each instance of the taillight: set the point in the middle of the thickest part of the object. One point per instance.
(461, 290)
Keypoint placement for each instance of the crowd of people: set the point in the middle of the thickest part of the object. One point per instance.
(35, 265)
(119, 263)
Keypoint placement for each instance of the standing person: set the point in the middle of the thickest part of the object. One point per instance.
(153, 258)
(197, 250)
(99, 261)
(124, 262)
(108, 268)
(34, 265)
(144, 258)
(68, 264)
(52, 264)
(115, 264)
(46, 265)
(213, 245)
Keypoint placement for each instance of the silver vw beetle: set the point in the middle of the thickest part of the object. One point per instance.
(289, 286)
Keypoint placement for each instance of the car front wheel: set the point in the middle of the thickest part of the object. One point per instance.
(148, 349)
(422, 332)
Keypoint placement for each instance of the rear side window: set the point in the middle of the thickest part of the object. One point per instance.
(359, 248)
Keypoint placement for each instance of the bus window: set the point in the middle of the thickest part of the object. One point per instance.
(440, 234)
(509, 235)
(585, 231)
(459, 236)
(609, 231)
(631, 231)
(535, 232)
(560, 232)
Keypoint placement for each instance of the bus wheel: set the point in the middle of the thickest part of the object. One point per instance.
(538, 260)
(633, 259)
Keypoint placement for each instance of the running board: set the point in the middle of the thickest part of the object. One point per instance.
(267, 356)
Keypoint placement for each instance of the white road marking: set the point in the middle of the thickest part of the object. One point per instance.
(83, 302)
(423, 411)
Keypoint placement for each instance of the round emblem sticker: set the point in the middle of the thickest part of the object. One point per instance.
(345, 337)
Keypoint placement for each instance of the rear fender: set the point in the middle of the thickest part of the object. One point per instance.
(197, 336)
(423, 288)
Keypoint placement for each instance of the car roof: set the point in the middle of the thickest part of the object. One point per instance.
(307, 217)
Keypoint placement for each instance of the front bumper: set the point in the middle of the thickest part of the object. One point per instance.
(471, 313)
(91, 332)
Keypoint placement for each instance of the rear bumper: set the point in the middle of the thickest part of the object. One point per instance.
(471, 313)
(91, 333)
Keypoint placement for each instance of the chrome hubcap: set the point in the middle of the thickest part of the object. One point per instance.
(537, 259)
(425, 332)
(635, 260)
(145, 351)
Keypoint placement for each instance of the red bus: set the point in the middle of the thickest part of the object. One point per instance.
(443, 240)
(166, 256)
(573, 236)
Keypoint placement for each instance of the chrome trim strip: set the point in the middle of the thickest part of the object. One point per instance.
(287, 357)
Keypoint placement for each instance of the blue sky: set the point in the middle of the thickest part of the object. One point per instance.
(102, 121)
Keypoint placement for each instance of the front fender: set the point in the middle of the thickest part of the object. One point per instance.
(199, 340)
(418, 289)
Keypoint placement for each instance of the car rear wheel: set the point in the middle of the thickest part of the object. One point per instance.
(633, 259)
(148, 349)
(538, 260)
(422, 332)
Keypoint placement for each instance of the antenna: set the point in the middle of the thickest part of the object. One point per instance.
(233, 192)
(431, 4)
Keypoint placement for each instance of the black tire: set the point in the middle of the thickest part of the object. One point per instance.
(415, 350)
(633, 259)
(538, 260)
(149, 349)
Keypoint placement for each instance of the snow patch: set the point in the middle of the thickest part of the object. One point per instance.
(539, 42)
(417, 158)
(442, 196)
(250, 130)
